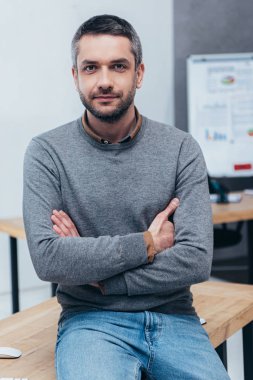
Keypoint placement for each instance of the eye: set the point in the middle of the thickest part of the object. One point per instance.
(119, 67)
(89, 68)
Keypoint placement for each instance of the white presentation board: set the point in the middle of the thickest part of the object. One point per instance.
(220, 111)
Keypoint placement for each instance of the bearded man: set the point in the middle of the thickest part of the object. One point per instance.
(98, 193)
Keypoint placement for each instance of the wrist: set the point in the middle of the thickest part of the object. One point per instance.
(151, 250)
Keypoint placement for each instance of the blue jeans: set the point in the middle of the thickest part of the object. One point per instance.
(108, 345)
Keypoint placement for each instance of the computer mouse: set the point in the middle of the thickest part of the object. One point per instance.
(202, 321)
(9, 353)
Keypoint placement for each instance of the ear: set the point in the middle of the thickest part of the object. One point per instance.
(75, 76)
(140, 75)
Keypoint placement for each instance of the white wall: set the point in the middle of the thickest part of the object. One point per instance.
(37, 93)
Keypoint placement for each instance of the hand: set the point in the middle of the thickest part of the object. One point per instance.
(161, 229)
(63, 225)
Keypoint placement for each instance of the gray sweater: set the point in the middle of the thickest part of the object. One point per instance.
(112, 193)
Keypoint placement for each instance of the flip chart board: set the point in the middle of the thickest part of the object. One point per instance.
(220, 111)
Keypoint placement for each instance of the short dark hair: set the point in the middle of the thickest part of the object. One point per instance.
(107, 24)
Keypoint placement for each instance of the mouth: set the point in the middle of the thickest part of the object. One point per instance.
(105, 98)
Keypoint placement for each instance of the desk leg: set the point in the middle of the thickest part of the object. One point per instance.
(222, 352)
(248, 351)
(53, 289)
(250, 250)
(14, 274)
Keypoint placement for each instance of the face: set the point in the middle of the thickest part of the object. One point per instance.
(106, 77)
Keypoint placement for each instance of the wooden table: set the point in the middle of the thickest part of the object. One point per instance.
(233, 212)
(33, 331)
(14, 227)
(236, 212)
(226, 308)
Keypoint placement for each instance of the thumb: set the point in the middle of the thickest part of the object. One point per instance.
(172, 206)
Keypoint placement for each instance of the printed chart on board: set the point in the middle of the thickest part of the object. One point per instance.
(220, 111)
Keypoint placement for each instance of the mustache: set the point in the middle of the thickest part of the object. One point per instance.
(106, 92)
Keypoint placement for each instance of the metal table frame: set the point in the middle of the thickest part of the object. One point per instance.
(14, 275)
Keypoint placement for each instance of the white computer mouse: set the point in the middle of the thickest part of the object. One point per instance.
(9, 353)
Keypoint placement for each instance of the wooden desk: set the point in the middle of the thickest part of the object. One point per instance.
(33, 331)
(236, 212)
(233, 212)
(14, 227)
(226, 308)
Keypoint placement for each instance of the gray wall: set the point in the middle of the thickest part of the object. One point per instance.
(203, 27)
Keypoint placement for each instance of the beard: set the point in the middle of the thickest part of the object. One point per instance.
(109, 116)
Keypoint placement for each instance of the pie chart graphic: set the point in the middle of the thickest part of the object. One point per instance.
(227, 80)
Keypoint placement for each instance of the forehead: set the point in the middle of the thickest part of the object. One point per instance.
(104, 47)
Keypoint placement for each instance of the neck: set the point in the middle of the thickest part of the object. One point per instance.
(113, 132)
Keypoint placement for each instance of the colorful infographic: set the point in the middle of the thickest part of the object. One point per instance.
(220, 111)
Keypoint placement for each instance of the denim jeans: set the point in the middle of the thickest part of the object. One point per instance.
(108, 345)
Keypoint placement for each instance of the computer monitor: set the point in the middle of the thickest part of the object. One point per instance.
(220, 111)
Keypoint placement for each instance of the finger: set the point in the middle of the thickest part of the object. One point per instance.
(163, 215)
(69, 223)
(64, 222)
(95, 284)
(55, 220)
(172, 206)
(64, 218)
(58, 221)
(60, 227)
(58, 230)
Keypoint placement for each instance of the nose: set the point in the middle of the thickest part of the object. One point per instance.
(105, 80)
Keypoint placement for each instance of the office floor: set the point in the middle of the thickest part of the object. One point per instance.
(35, 296)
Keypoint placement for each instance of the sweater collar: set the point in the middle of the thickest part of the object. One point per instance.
(133, 130)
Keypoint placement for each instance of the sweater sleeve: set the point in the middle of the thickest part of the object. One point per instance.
(68, 260)
(189, 260)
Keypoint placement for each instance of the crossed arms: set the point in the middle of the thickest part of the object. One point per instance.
(119, 263)
(161, 230)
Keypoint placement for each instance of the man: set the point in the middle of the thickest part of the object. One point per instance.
(108, 182)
